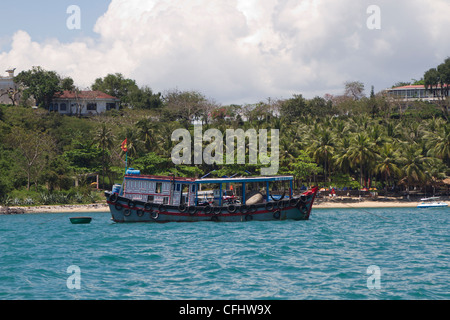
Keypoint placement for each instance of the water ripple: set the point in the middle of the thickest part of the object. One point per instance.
(324, 258)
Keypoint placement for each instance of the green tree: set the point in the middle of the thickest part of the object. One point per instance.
(362, 152)
(115, 85)
(39, 84)
(128, 92)
(439, 143)
(34, 149)
(144, 98)
(67, 84)
(184, 105)
(104, 139)
(322, 149)
(304, 167)
(83, 157)
(294, 108)
(387, 164)
(152, 164)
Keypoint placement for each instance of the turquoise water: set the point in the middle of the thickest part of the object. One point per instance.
(324, 258)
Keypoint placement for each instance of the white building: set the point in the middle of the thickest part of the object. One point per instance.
(414, 93)
(83, 102)
(8, 87)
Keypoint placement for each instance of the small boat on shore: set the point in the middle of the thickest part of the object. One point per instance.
(162, 199)
(432, 203)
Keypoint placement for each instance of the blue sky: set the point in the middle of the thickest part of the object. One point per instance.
(46, 19)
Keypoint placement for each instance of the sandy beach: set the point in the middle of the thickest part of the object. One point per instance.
(102, 207)
(365, 204)
(82, 208)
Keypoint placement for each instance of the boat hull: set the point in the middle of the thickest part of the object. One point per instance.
(124, 210)
(81, 220)
(432, 205)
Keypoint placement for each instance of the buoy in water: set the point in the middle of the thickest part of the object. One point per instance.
(80, 220)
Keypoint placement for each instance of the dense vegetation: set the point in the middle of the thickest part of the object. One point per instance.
(349, 140)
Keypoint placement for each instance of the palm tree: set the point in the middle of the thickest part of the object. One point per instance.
(164, 143)
(146, 133)
(387, 164)
(439, 143)
(414, 164)
(362, 152)
(322, 149)
(342, 157)
(104, 139)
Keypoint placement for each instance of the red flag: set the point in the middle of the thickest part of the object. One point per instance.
(124, 146)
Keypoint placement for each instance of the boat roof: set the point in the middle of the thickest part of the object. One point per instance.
(245, 179)
(213, 180)
(158, 178)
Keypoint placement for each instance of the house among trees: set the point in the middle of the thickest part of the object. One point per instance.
(83, 102)
(416, 92)
(8, 89)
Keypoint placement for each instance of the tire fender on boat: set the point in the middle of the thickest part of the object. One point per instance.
(217, 210)
(248, 217)
(161, 208)
(293, 202)
(118, 206)
(207, 209)
(231, 208)
(269, 206)
(182, 207)
(131, 204)
(113, 198)
(127, 213)
(154, 215)
(244, 208)
(277, 214)
(140, 212)
(192, 210)
(148, 207)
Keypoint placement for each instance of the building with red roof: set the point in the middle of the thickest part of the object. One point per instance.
(83, 102)
(416, 92)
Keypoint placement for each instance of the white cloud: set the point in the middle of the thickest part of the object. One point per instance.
(248, 50)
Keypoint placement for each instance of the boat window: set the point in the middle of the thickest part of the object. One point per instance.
(166, 200)
(193, 188)
(178, 187)
(151, 198)
(158, 187)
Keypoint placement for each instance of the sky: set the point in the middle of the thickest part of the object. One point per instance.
(232, 51)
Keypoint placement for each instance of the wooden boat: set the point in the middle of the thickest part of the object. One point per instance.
(432, 203)
(81, 220)
(170, 199)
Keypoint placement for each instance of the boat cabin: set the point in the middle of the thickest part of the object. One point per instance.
(194, 192)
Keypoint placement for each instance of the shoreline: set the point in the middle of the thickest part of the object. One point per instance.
(68, 208)
(102, 207)
(365, 204)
